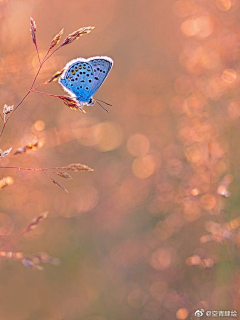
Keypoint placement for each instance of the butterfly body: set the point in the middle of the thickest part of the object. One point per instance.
(83, 77)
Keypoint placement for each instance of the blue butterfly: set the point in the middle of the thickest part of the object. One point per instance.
(83, 77)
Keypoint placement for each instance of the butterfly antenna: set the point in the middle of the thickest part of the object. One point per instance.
(104, 102)
(101, 106)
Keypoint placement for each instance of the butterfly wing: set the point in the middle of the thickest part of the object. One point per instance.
(78, 78)
(83, 77)
(101, 68)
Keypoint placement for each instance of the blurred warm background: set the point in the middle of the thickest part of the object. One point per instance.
(153, 232)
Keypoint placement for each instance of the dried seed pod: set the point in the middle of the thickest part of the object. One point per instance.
(33, 29)
(77, 167)
(55, 77)
(63, 174)
(29, 146)
(56, 39)
(59, 185)
(71, 103)
(5, 153)
(76, 34)
(7, 109)
(46, 258)
(31, 264)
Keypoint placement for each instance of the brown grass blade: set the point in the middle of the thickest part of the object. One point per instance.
(29, 263)
(5, 153)
(71, 103)
(55, 76)
(11, 255)
(59, 185)
(63, 174)
(6, 111)
(46, 258)
(77, 167)
(56, 39)
(76, 34)
(29, 146)
(33, 29)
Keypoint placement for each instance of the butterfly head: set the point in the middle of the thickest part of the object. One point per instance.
(90, 102)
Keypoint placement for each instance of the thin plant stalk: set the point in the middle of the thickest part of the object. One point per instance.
(47, 56)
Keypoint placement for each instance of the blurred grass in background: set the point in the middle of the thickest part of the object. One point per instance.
(152, 233)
